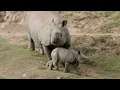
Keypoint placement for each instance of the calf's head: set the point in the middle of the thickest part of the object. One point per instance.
(81, 57)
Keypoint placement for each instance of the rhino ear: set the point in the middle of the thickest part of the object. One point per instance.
(64, 23)
(79, 52)
(55, 20)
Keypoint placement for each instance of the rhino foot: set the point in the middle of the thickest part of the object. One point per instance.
(42, 51)
(31, 49)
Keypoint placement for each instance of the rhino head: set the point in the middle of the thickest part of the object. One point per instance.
(58, 32)
(82, 58)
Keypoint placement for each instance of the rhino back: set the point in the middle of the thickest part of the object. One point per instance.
(63, 55)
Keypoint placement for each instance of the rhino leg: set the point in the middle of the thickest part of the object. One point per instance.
(42, 50)
(31, 45)
(76, 68)
(66, 67)
(48, 52)
(55, 64)
(50, 66)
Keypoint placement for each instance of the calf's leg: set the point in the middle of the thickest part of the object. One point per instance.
(66, 67)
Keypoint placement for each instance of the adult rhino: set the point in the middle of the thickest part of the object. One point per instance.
(47, 30)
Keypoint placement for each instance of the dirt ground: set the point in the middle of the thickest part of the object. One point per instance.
(86, 35)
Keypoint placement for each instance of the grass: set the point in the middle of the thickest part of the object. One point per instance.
(115, 16)
(108, 13)
(16, 58)
(112, 20)
(111, 24)
(112, 64)
(16, 50)
(109, 67)
(104, 39)
(42, 67)
(66, 14)
(2, 41)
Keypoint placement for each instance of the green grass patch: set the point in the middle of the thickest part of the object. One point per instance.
(112, 20)
(21, 51)
(112, 64)
(104, 39)
(8, 77)
(66, 13)
(42, 68)
(12, 52)
(2, 40)
(110, 24)
(16, 60)
(115, 16)
(108, 13)
(17, 50)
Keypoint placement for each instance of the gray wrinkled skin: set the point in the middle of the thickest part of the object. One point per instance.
(47, 30)
(66, 57)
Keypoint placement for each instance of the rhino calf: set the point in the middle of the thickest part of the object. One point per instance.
(66, 57)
